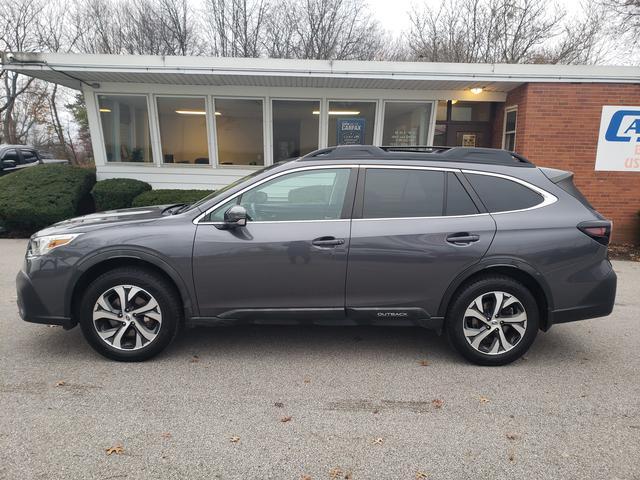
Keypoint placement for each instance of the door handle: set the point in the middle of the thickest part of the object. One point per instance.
(462, 238)
(327, 241)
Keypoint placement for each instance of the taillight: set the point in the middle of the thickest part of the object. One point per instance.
(599, 230)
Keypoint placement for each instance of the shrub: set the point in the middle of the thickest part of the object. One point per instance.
(116, 193)
(169, 196)
(36, 197)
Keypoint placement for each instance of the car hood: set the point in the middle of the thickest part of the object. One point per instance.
(105, 219)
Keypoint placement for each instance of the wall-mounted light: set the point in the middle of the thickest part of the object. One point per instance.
(476, 90)
(338, 112)
(453, 102)
(105, 110)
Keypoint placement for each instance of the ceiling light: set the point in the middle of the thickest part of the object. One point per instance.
(218, 113)
(476, 90)
(105, 110)
(191, 112)
(338, 112)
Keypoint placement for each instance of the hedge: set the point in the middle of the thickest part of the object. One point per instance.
(36, 197)
(169, 196)
(116, 193)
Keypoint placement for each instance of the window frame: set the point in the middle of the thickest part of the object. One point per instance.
(377, 129)
(208, 124)
(432, 122)
(152, 120)
(266, 132)
(349, 193)
(505, 132)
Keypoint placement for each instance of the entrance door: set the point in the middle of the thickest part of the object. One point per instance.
(292, 255)
(414, 230)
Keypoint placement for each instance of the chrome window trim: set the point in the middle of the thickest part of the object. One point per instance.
(420, 218)
(264, 180)
(547, 198)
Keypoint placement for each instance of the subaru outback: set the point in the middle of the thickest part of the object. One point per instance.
(478, 244)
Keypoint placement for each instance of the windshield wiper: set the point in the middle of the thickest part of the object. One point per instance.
(170, 208)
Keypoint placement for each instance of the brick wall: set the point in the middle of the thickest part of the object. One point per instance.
(557, 126)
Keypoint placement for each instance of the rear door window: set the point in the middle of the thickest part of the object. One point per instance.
(458, 200)
(503, 195)
(402, 193)
(29, 156)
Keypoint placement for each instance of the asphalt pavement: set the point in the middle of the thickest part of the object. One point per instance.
(320, 403)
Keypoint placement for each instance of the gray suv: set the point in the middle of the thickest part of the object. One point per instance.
(479, 244)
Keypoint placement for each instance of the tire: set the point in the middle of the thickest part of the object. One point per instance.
(147, 324)
(483, 337)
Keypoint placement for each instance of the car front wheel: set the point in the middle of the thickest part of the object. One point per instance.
(493, 320)
(130, 314)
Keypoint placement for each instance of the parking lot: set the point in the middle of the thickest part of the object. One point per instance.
(358, 403)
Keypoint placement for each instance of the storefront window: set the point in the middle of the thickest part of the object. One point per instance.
(406, 123)
(470, 111)
(295, 128)
(239, 131)
(351, 123)
(125, 128)
(509, 140)
(183, 130)
(463, 124)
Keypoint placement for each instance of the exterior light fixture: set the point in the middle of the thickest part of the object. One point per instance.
(338, 112)
(476, 90)
(105, 110)
(453, 102)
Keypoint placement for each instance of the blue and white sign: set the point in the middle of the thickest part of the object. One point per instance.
(350, 131)
(619, 139)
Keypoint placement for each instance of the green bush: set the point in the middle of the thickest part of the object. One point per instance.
(36, 197)
(168, 197)
(117, 193)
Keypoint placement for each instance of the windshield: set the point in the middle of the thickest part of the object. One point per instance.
(221, 191)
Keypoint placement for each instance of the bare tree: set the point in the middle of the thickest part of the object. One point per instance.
(502, 31)
(235, 28)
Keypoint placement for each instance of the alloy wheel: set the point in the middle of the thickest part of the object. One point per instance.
(127, 317)
(494, 323)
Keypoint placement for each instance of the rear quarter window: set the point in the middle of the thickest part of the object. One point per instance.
(502, 195)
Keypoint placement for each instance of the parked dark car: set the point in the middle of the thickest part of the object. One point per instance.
(477, 243)
(17, 157)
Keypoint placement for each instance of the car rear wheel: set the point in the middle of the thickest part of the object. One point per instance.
(493, 320)
(130, 314)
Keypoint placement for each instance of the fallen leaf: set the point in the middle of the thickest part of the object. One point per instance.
(307, 380)
(166, 435)
(234, 439)
(285, 419)
(278, 405)
(437, 403)
(512, 456)
(348, 476)
(421, 475)
(195, 359)
(335, 473)
(306, 477)
(117, 449)
(378, 441)
(376, 411)
(60, 383)
(423, 363)
(484, 399)
(512, 436)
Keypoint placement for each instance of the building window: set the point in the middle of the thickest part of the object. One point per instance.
(351, 123)
(295, 128)
(125, 128)
(406, 123)
(463, 124)
(183, 130)
(239, 131)
(510, 120)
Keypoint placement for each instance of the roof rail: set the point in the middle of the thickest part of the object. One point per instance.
(421, 153)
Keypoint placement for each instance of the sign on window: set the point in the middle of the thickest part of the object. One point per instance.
(619, 139)
(350, 131)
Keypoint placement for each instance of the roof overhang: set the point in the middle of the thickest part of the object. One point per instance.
(72, 70)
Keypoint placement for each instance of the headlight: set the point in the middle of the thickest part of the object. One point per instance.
(42, 245)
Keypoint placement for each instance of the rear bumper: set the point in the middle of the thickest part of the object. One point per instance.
(600, 303)
(32, 308)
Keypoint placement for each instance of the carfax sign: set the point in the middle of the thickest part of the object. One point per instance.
(350, 131)
(619, 139)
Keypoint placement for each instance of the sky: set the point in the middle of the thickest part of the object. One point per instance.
(393, 14)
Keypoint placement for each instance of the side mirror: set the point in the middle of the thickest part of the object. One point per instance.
(235, 217)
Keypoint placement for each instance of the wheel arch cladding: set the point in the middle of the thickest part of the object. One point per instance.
(98, 268)
(528, 279)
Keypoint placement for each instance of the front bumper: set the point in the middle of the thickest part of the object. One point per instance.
(599, 303)
(32, 308)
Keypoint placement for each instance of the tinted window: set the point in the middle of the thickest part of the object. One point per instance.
(29, 156)
(458, 200)
(308, 195)
(501, 195)
(11, 155)
(403, 193)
